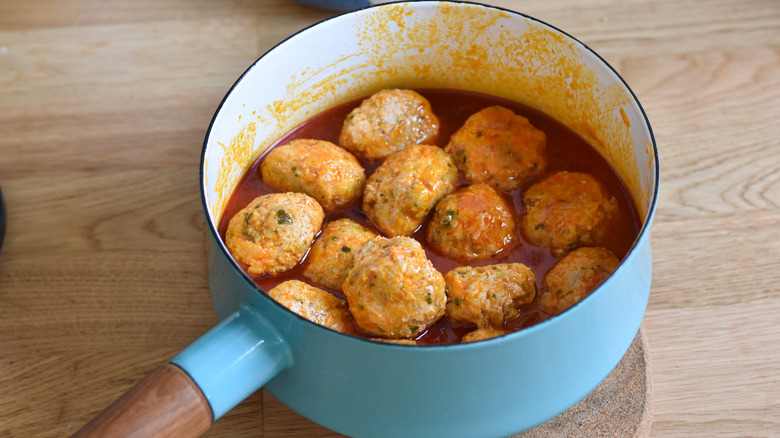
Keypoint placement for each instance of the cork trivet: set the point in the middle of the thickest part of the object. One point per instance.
(621, 406)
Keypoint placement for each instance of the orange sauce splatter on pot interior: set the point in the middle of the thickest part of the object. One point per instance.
(565, 149)
(458, 46)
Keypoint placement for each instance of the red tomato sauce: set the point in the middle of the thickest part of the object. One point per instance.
(565, 151)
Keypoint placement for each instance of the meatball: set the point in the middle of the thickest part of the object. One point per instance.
(393, 290)
(488, 295)
(316, 305)
(483, 333)
(406, 186)
(497, 147)
(565, 211)
(396, 341)
(332, 254)
(319, 168)
(389, 121)
(574, 276)
(273, 232)
(471, 224)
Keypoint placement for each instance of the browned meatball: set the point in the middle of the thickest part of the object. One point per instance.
(406, 186)
(396, 341)
(488, 295)
(497, 147)
(576, 275)
(273, 232)
(389, 121)
(333, 253)
(314, 304)
(565, 211)
(471, 224)
(393, 290)
(483, 333)
(319, 168)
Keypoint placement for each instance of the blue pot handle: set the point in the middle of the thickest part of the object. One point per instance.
(234, 359)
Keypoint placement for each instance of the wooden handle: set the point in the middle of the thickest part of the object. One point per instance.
(166, 403)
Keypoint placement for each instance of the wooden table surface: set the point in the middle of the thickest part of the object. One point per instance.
(103, 109)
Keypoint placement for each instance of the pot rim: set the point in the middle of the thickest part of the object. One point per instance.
(528, 331)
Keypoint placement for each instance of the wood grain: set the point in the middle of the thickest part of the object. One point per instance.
(103, 110)
(165, 403)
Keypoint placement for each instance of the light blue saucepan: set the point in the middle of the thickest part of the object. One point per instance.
(361, 388)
